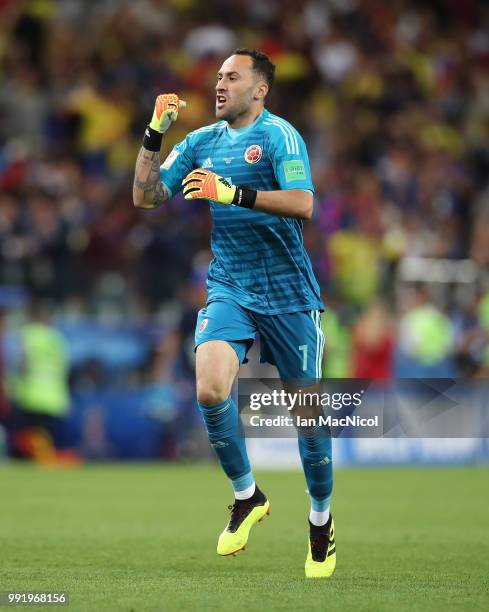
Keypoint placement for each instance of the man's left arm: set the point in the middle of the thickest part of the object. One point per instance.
(203, 184)
(290, 162)
(295, 203)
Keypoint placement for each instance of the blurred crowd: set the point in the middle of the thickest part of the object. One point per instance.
(392, 99)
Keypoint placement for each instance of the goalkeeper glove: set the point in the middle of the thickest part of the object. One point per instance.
(164, 114)
(201, 183)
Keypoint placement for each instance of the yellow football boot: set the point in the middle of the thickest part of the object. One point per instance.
(244, 514)
(321, 557)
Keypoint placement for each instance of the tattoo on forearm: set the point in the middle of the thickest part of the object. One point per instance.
(147, 179)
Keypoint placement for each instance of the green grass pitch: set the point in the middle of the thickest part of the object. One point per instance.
(143, 537)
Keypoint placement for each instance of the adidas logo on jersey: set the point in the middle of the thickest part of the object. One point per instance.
(207, 163)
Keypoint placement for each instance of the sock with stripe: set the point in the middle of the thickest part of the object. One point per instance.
(225, 436)
(316, 458)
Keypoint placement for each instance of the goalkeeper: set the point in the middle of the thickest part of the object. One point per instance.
(253, 170)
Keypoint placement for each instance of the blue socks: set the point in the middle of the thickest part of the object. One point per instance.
(316, 457)
(223, 428)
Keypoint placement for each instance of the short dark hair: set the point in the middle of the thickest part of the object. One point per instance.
(261, 63)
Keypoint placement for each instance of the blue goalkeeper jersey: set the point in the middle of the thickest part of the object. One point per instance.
(259, 259)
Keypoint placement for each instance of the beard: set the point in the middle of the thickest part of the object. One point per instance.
(234, 111)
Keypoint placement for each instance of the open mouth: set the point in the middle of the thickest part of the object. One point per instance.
(220, 101)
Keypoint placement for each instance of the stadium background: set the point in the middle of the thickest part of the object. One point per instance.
(392, 99)
(393, 102)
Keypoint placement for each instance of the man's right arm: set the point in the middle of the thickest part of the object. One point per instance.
(148, 190)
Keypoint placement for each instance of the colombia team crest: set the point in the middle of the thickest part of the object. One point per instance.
(252, 154)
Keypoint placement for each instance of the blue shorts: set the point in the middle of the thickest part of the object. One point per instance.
(293, 341)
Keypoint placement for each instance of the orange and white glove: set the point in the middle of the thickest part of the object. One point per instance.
(207, 185)
(165, 113)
